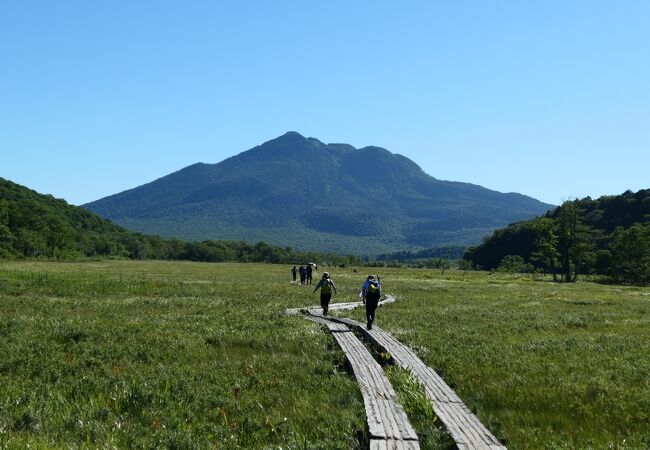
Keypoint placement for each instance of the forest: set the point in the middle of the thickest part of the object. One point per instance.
(608, 236)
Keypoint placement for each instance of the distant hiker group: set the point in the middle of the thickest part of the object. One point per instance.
(305, 271)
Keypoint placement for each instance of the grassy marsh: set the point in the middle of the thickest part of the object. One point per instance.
(186, 355)
(170, 355)
(544, 365)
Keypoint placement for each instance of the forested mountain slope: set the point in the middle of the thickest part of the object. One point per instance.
(609, 235)
(301, 192)
(33, 225)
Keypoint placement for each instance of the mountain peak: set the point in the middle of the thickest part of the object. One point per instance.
(292, 134)
(289, 137)
(290, 143)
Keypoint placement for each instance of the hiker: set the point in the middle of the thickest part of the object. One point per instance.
(303, 274)
(326, 284)
(371, 293)
(294, 271)
(310, 270)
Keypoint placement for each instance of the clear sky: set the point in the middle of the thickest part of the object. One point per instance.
(547, 98)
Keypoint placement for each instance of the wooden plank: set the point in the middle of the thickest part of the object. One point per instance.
(471, 431)
(411, 445)
(392, 444)
(318, 320)
(334, 306)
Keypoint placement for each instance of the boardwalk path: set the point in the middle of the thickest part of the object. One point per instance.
(388, 425)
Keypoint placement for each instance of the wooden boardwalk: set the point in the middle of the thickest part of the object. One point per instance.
(387, 422)
(389, 427)
(464, 427)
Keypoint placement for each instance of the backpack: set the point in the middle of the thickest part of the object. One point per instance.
(326, 288)
(373, 288)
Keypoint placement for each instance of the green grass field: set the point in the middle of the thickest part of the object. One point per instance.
(189, 355)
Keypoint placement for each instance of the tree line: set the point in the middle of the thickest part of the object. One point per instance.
(449, 252)
(609, 236)
(33, 225)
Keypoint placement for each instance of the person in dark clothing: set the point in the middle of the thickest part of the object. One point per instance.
(371, 293)
(325, 285)
(310, 270)
(303, 274)
(294, 271)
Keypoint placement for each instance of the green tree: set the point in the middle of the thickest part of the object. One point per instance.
(31, 243)
(514, 264)
(6, 236)
(464, 264)
(546, 255)
(630, 254)
(603, 261)
(574, 241)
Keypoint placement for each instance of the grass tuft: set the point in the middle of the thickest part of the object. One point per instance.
(419, 409)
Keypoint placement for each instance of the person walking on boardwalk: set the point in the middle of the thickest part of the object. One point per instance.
(294, 271)
(371, 293)
(326, 284)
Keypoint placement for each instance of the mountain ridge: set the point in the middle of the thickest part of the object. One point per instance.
(323, 192)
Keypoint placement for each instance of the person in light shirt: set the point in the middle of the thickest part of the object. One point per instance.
(326, 285)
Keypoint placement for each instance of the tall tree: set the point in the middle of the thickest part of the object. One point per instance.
(574, 241)
(546, 255)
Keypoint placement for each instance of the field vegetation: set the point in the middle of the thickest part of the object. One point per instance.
(544, 365)
(178, 355)
(187, 355)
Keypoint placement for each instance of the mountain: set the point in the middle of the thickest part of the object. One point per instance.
(299, 192)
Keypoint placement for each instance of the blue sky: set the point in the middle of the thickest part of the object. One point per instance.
(550, 99)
